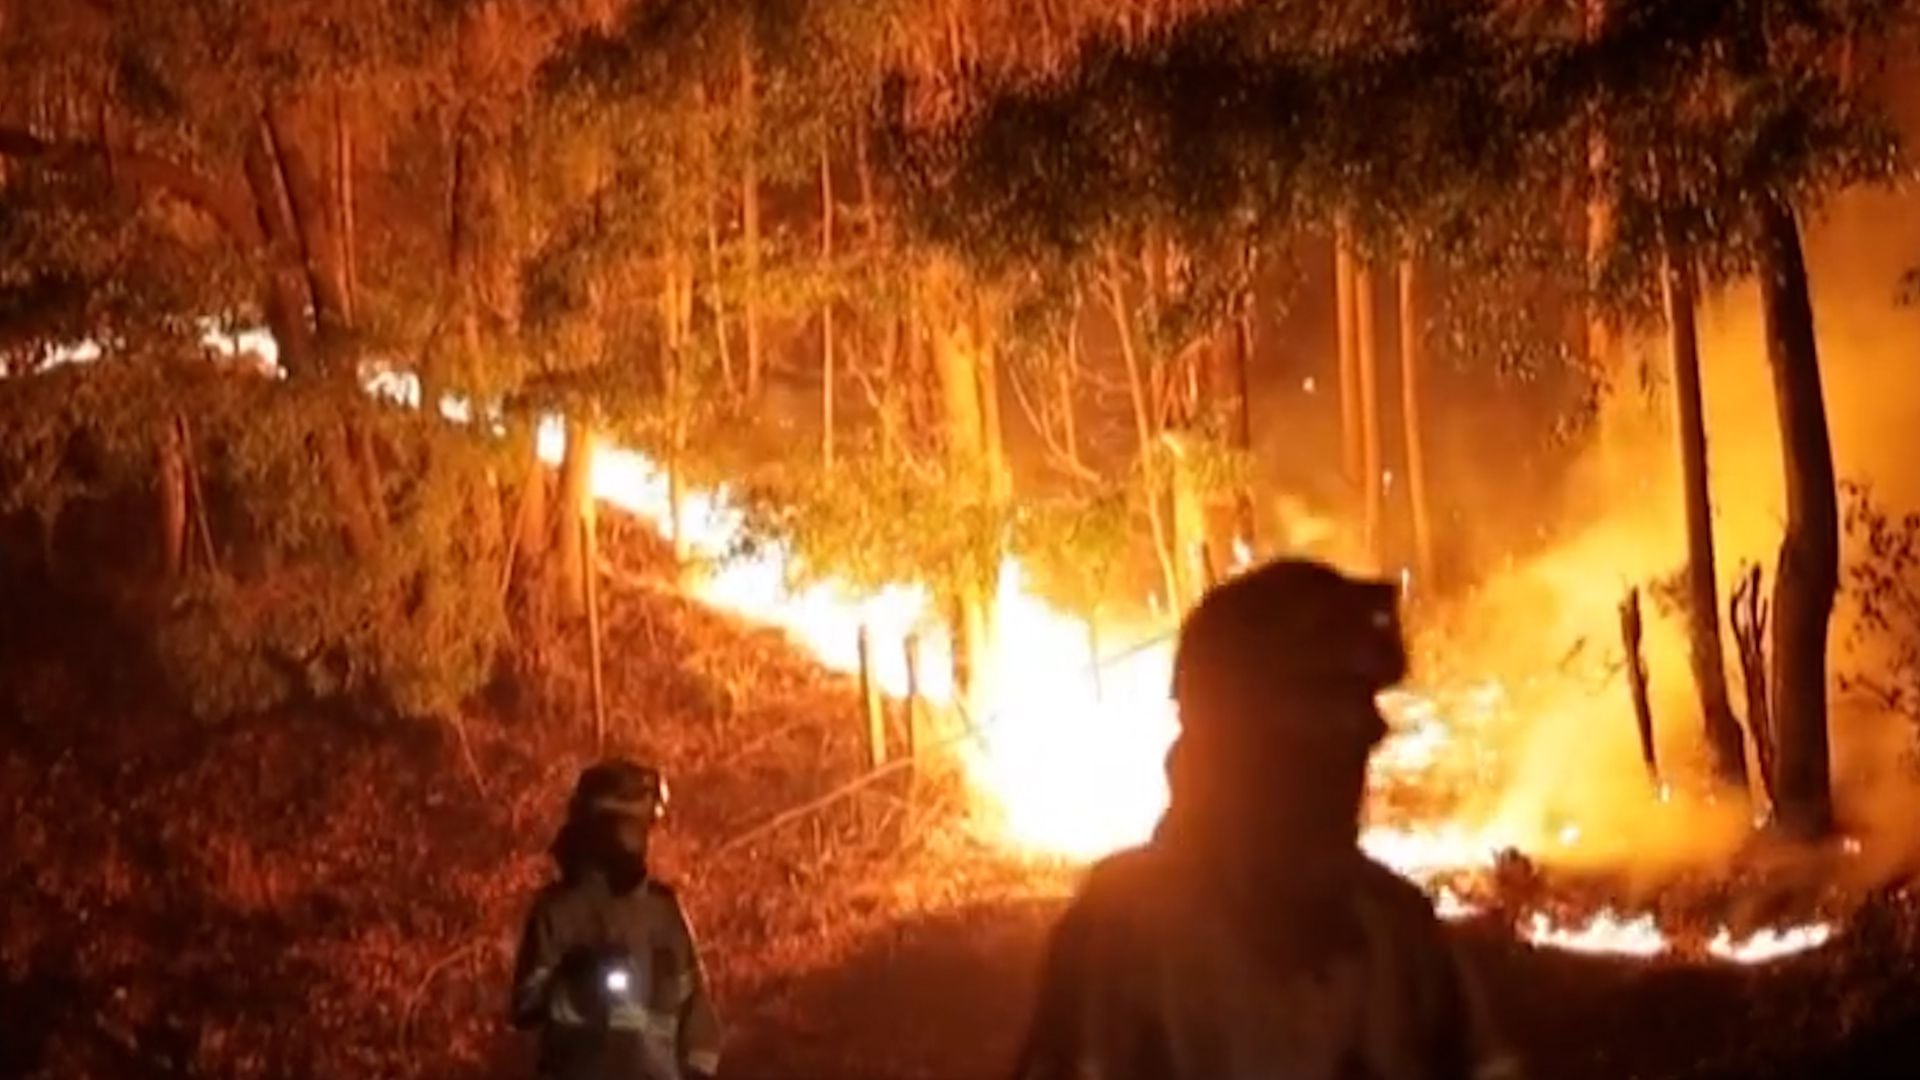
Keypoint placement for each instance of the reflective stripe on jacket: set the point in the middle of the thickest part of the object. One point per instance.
(653, 1020)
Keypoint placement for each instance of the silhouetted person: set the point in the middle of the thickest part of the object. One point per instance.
(608, 970)
(1251, 938)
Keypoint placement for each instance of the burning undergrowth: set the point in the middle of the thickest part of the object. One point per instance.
(1523, 797)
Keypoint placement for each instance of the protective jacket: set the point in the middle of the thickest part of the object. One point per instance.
(613, 982)
(1151, 976)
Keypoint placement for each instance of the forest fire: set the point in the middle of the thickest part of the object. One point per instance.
(1067, 760)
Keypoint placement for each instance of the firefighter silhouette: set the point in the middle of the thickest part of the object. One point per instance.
(1251, 937)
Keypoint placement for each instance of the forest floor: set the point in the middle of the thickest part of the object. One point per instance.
(320, 893)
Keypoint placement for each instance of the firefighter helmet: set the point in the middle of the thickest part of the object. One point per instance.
(620, 787)
(1289, 625)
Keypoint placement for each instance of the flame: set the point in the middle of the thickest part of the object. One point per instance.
(1067, 750)
(1767, 945)
(1604, 933)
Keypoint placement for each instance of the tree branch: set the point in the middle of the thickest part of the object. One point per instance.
(149, 173)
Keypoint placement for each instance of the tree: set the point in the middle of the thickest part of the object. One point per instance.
(1462, 110)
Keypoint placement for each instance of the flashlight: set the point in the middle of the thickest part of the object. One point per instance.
(617, 981)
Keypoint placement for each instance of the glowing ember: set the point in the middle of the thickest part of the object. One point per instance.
(1069, 761)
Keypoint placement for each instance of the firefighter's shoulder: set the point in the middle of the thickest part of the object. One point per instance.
(1127, 884)
(1395, 894)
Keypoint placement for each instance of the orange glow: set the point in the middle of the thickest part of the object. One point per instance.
(1067, 764)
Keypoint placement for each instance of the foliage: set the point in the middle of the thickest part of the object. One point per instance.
(872, 523)
(1883, 583)
(1078, 545)
(287, 611)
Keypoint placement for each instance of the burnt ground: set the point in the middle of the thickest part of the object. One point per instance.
(944, 998)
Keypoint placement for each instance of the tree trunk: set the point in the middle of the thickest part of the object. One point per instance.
(750, 218)
(171, 483)
(826, 309)
(1636, 661)
(1704, 649)
(344, 199)
(576, 492)
(1245, 526)
(1599, 336)
(676, 313)
(1809, 571)
(716, 293)
(284, 299)
(590, 558)
(992, 435)
(531, 520)
(1411, 362)
(1344, 329)
(1144, 427)
(312, 218)
(1068, 391)
(1369, 378)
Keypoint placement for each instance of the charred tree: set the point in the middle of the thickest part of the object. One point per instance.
(1702, 601)
(1747, 614)
(1809, 566)
(1636, 666)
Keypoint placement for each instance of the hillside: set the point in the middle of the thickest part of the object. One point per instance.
(319, 892)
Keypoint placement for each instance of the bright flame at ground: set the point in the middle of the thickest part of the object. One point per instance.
(1068, 754)
(1603, 933)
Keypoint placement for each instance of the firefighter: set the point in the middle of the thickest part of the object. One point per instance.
(1251, 937)
(608, 970)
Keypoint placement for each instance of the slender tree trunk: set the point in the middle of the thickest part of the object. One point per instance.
(303, 212)
(1368, 362)
(1346, 336)
(992, 434)
(1143, 424)
(956, 359)
(1705, 652)
(1809, 571)
(1246, 525)
(827, 372)
(1411, 362)
(576, 493)
(1599, 336)
(312, 219)
(892, 336)
(530, 521)
(171, 485)
(1068, 392)
(716, 294)
(344, 199)
(284, 297)
(750, 217)
(590, 558)
(676, 320)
